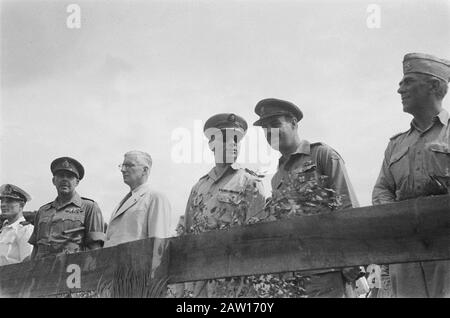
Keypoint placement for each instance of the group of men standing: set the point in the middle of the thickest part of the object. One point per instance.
(72, 223)
(311, 178)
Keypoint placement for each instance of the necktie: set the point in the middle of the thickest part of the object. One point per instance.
(124, 200)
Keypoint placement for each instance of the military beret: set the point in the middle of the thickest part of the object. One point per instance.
(271, 107)
(226, 120)
(14, 192)
(67, 164)
(426, 64)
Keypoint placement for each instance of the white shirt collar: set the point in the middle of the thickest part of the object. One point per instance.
(15, 224)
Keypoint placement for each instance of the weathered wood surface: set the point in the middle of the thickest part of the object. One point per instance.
(50, 276)
(400, 232)
(415, 230)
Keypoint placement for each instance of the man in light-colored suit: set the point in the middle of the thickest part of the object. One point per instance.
(142, 213)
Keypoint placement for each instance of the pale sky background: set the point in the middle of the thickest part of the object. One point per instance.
(138, 70)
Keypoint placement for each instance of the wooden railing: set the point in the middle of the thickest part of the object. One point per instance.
(414, 230)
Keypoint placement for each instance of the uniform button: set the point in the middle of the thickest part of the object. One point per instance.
(418, 187)
(418, 152)
(417, 169)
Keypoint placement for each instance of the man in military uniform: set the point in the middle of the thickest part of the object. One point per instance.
(70, 223)
(226, 196)
(16, 231)
(417, 163)
(305, 168)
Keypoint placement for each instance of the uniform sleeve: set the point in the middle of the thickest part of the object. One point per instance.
(331, 164)
(94, 225)
(25, 248)
(384, 189)
(33, 238)
(255, 197)
(159, 223)
(187, 212)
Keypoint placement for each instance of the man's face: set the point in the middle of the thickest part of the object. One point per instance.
(11, 207)
(225, 146)
(414, 91)
(65, 182)
(280, 131)
(133, 170)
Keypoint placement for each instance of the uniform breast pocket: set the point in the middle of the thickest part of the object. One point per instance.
(399, 164)
(305, 173)
(439, 161)
(68, 224)
(43, 225)
(228, 197)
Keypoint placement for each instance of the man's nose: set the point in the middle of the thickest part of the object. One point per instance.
(401, 89)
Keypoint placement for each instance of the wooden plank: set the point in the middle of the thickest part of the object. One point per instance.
(57, 274)
(401, 232)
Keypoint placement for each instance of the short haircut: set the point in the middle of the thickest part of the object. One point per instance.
(443, 86)
(142, 156)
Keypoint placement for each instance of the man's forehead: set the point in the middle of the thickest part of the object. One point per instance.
(131, 157)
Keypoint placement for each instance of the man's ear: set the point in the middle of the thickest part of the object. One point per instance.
(434, 85)
(53, 181)
(294, 122)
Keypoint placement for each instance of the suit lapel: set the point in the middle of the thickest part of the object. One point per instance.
(130, 202)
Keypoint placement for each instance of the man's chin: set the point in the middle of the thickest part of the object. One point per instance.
(65, 191)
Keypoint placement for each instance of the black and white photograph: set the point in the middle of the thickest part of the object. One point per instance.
(238, 149)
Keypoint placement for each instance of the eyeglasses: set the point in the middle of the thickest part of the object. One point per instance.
(127, 166)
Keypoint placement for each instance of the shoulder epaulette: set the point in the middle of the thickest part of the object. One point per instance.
(87, 199)
(253, 173)
(334, 153)
(24, 223)
(399, 134)
(316, 144)
(46, 206)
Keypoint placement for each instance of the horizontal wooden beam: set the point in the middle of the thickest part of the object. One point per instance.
(414, 230)
(400, 232)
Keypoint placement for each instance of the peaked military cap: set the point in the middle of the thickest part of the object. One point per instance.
(67, 164)
(14, 192)
(226, 120)
(271, 107)
(426, 64)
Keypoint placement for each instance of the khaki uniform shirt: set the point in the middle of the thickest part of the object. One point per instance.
(417, 163)
(313, 162)
(411, 161)
(220, 200)
(67, 228)
(14, 246)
